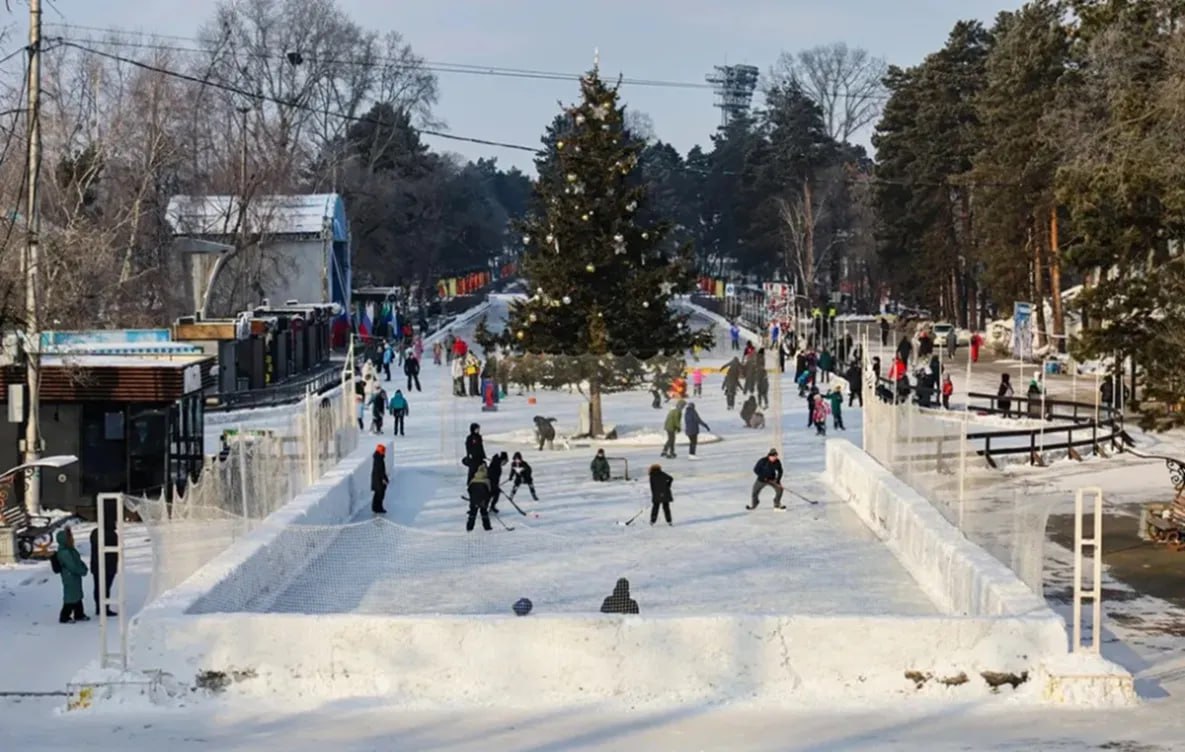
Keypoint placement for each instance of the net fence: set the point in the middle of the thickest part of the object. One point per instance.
(935, 452)
(257, 471)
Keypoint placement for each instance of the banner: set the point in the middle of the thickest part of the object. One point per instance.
(1022, 331)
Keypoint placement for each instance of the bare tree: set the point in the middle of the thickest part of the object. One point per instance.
(845, 82)
(802, 213)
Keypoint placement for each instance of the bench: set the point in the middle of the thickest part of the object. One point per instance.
(34, 533)
(1165, 523)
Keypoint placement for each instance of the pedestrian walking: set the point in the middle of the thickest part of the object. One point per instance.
(110, 538)
(1004, 395)
(387, 356)
(399, 410)
(948, 389)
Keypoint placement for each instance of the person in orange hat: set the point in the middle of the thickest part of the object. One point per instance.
(379, 479)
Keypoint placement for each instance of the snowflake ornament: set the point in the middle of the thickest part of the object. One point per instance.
(580, 120)
(571, 177)
(600, 111)
(667, 287)
(631, 206)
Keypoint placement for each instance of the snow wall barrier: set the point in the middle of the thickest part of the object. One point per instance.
(968, 584)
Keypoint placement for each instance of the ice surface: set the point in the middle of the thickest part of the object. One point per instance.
(717, 558)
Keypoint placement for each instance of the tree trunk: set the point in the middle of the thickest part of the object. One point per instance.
(808, 239)
(1039, 288)
(596, 424)
(1055, 284)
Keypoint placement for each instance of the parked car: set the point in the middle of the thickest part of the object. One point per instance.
(941, 331)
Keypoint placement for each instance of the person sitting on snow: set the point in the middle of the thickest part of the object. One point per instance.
(600, 467)
(620, 602)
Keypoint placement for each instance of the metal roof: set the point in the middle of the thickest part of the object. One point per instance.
(217, 216)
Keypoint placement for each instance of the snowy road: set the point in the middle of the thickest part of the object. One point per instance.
(718, 558)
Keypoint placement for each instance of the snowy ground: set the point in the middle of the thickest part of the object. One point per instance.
(1143, 633)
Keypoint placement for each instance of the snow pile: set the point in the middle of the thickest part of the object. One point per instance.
(433, 662)
(960, 577)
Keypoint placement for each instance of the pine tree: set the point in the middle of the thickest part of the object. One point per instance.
(600, 279)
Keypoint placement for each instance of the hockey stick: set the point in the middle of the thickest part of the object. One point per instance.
(630, 521)
(503, 524)
(516, 506)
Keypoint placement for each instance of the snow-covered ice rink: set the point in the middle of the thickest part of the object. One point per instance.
(566, 554)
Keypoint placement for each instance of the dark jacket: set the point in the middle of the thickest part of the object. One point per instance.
(521, 472)
(479, 486)
(475, 448)
(692, 422)
(620, 602)
(600, 467)
(378, 472)
(112, 539)
(768, 470)
(660, 486)
(748, 409)
(73, 570)
(411, 366)
(855, 377)
(494, 471)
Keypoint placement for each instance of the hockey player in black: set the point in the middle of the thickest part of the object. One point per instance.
(494, 472)
(479, 497)
(475, 450)
(520, 475)
(769, 473)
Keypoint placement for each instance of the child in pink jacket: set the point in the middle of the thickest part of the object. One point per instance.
(697, 381)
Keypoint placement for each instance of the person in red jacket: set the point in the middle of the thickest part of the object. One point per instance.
(976, 343)
(948, 389)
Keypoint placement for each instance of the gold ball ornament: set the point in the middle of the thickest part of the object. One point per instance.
(559, 145)
(584, 217)
(519, 334)
(645, 303)
(567, 300)
(590, 268)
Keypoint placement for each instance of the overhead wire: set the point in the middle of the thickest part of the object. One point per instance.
(261, 97)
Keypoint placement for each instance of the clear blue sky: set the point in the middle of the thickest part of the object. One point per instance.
(676, 40)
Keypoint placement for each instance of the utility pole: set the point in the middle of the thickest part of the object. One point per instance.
(31, 268)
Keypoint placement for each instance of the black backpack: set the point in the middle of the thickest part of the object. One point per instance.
(55, 565)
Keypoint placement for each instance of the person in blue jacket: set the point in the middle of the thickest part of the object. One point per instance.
(68, 564)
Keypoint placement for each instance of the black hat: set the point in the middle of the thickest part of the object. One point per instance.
(473, 427)
(773, 453)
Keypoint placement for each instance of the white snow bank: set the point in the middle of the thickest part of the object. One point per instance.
(959, 576)
(622, 662)
(964, 580)
(260, 562)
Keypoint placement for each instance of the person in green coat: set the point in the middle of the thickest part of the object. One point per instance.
(71, 569)
(673, 425)
(600, 466)
(835, 397)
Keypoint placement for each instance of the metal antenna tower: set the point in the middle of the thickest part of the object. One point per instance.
(734, 85)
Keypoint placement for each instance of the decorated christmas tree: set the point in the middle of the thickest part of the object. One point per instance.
(600, 282)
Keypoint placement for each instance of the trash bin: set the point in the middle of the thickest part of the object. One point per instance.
(1035, 406)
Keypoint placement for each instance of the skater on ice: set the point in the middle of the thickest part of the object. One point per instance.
(475, 450)
(545, 432)
(769, 473)
(600, 467)
(620, 602)
(732, 381)
(697, 381)
(378, 479)
(457, 371)
(660, 494)
(399, 410)
(672, 425)
(378, 406)
(520, 475)
(494, 472)
(479, 498)
(692, 423)
(819, 413)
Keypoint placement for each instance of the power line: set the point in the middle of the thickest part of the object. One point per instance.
(379, 62)
(259, 97)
